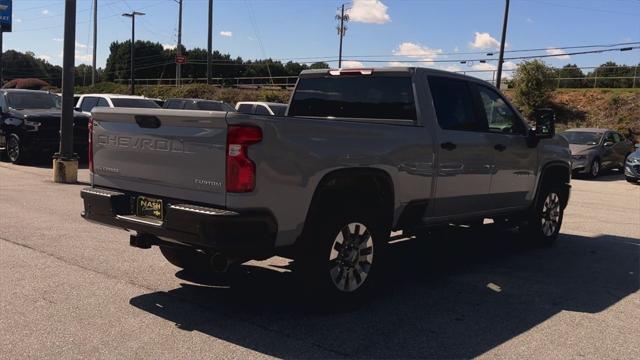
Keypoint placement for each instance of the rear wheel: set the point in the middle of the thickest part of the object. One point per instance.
(343, 254)
(594, 170)
(545, 219)
(631, 180)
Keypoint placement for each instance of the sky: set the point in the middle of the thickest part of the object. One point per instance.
(435, 33)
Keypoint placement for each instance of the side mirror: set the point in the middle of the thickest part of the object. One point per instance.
(608, 144)
(545, 126)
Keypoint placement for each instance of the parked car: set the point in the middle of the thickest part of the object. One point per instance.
(632, 166)
(31, 124)
(360, 153)
(197, 104)
(87, 102)
(594, 150)
(262, 108)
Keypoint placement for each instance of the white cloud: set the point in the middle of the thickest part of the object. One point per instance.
(17, 20)
(81, 45)
(83, 58)
(452, 68)
(226, 33)
(369, 11)
(45, 12)
(529, 20)
(561, 54)
(456, 49)
(509, 65)
(483, 66)
(44, 57)
(58, 39)
(484, 41)
(413, 50)
(352, 64)
(169, 46)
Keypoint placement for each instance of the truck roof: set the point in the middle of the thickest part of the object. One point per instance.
(399, 69)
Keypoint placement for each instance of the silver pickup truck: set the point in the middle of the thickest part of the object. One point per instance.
(359, 153)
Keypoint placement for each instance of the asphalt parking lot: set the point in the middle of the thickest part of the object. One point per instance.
(71, 289)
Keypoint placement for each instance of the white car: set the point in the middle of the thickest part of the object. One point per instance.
(87, 102)
(262, 108)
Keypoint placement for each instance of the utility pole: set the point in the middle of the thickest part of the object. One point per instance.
(132, 62)
(65, 162)
(95, 42)
(179, 48)
(210, 42)
(1, 63)
(502, 42)
(342, 30)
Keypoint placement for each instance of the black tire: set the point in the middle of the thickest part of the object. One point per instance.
(348, 272)
(595, 168)
(187, 259)
(631, 180)
(14, 150)
(544, 220)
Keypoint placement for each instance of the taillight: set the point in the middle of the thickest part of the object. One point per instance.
(241, 171)
(90, 144)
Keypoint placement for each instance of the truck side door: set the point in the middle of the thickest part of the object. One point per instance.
(465, 154)
(513, 178)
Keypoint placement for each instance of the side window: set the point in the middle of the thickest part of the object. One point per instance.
(103, 102)
(262, 110)
(191, 105)
(617, 137)
(453, 102)
(3, 104)
(88, 103)
(246, 108)
(609, 138)
(500, 117)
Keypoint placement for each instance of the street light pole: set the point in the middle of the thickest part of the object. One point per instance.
(132, 63)
(95, 42)
(502, 42)
(210, 42)
(65, 162)
(179, 48)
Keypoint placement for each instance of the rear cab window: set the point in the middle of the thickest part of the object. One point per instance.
(246, 108)
(383, 96)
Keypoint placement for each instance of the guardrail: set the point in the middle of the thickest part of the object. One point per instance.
(590, 80)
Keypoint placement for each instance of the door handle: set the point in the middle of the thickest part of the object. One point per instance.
(500, 147)
(449, 146)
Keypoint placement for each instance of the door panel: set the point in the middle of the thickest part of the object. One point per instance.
(513, 178)
(464, 157)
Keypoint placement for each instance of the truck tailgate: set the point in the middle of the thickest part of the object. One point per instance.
(166, 153)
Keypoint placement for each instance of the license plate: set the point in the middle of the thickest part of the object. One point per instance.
(149, 207)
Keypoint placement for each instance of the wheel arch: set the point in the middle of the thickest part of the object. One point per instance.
(556, 172)
(353, 183)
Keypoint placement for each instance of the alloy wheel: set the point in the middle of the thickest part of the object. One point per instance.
(550, 219)
(351, 257)
(13, 149)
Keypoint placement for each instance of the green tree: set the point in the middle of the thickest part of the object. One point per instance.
(610, 75)
(571, 76)
(533, 83)
(319, 65)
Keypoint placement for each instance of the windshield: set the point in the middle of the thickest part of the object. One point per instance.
(278, 110)
(134, 103)
(582, 137)
(33, 100)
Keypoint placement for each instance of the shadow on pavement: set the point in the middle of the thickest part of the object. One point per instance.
(453, 295)
(605, 176)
